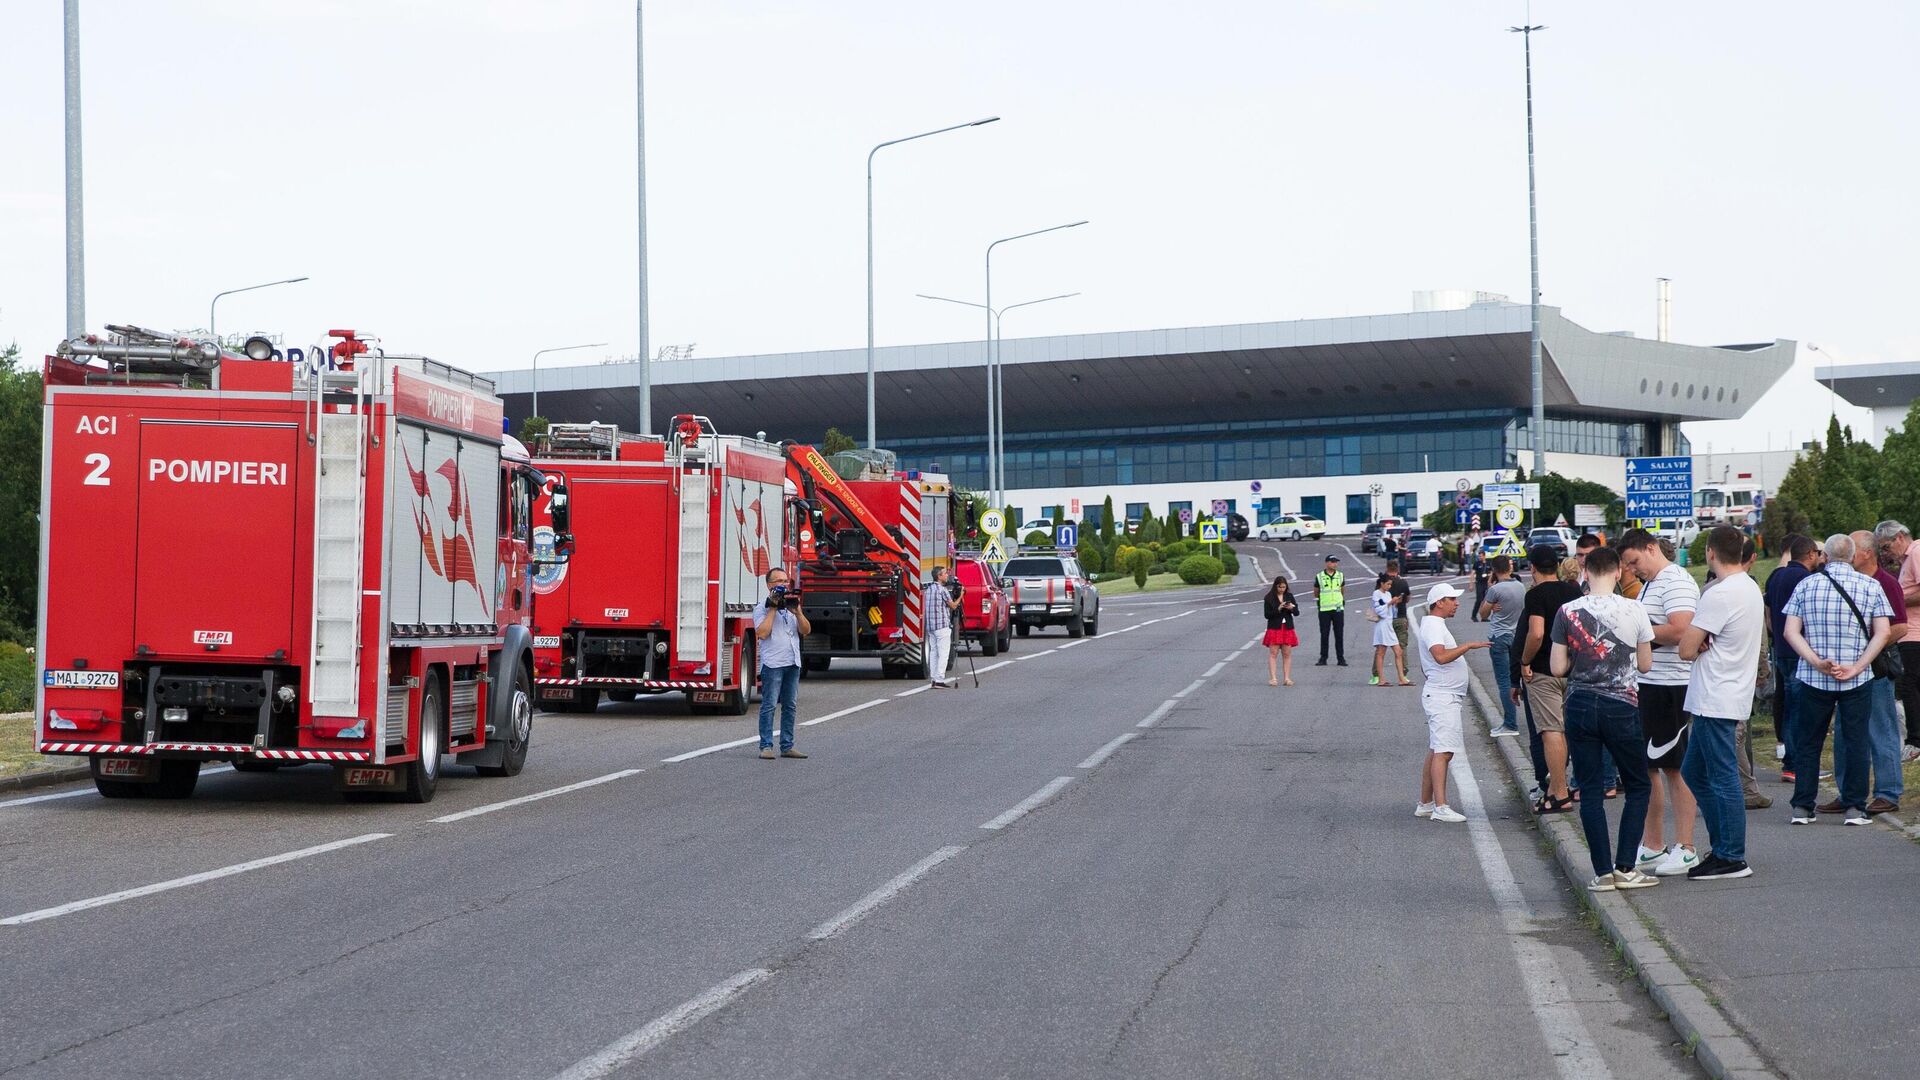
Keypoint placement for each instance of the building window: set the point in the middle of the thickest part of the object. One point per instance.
(1269, 511)
(1359, 509)
(1406, 505)
(1233, 506)
(1443, 499)
(1314, 506)
(1174, 509)
(1136, 511)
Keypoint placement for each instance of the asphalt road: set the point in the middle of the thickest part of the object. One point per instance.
(1018, 880)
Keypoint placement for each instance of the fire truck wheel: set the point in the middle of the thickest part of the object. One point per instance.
(1076, 628)
(990, 645)
(519, 733)
(119, 789)
(423, 773)
(816, 663)
(584, 701)
(177, 780)
(1024, 629)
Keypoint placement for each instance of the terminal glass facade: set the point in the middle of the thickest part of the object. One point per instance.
(1454, 441)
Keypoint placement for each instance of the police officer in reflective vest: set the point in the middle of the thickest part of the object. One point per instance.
(1329, 587)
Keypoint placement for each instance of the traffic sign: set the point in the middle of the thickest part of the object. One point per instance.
(992, 523)
(1460, 516)
(1066, 535)
(1660, 487)
(996, 553)
(1460, 500)
(1474, 506)
(1219, 507)
(1209, 532)
(1526, 496)
(1256, 487)
(1463, 485)
(1473, 520)
(1509, 515)
(1186, 517)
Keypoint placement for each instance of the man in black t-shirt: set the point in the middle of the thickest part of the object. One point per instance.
(1546, 694)
(1398, 588)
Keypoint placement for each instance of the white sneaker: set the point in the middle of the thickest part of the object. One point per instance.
(1603, 883)
(1633, 879)
(1648, 857)
(1425, 809)
(1909, 755)
(1857, 817)
(1779, 751)
(1679, 860)
(1443, 812)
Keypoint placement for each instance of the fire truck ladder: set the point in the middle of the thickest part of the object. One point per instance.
(339, 541)
(694, 447)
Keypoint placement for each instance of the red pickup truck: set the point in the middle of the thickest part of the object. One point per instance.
(984, 616)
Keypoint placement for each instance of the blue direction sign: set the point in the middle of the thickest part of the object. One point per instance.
(1066, 536)
(1460, 516)
(1659, 487)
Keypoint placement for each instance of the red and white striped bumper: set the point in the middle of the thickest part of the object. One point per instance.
(242, 749)
(641, 684)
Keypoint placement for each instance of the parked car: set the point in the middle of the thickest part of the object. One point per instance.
(1413, 550)
(1681, 532)
(1236, 527)
(984, 612)
(1557, 537)
(1051, 590)
(1044, 525)
(1300, 527)
(1370, 537)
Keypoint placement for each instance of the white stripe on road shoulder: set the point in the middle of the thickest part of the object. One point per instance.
(993, 667)
(1029, 804)
(88, 791)
(1069, 644)
(1094, 759)
(714, 749)
(1035, 655)
(1575, 1054)
(1215, 669)
(1155, 716)
(848, 711)
(1191, 687)
(915, 690)
(682, 1016)
(535, 797)
(190, 879)
(894, 887)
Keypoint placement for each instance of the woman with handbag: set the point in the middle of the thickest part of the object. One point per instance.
(1380, 614)
(1280, 638)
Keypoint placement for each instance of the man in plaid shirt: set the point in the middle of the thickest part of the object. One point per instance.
(1835, 674)
(941, 604)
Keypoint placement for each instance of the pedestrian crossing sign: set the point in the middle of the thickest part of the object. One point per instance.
(995, 553)
(1510, 545)
(1210, 532)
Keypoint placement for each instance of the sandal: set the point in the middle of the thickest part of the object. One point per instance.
(1273, 682)
(1406, 682)
(1289, 682)
(1550, 805)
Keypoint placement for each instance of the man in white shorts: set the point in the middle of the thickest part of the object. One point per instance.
(1443, 697)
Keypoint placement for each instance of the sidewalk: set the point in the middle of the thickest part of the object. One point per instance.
(1809, 961)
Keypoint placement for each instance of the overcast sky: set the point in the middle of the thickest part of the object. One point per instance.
(458, 175)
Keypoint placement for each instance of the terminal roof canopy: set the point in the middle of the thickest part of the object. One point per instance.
(1473, 358)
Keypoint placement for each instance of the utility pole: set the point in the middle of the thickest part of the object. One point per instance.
(76, 224)
(640, 114)
(1533, 244)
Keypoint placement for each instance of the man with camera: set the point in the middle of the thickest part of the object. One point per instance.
(779, 623)
(943, 599)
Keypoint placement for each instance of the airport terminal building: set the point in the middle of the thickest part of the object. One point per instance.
(1346, 419)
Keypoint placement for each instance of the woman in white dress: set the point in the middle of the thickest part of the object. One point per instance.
(1383, 636)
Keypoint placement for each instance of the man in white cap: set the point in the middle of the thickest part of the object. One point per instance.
(1443, 697)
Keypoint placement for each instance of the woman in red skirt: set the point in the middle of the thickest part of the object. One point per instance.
(1280, 638)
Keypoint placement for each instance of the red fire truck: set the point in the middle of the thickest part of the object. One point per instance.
(866, 549)
(272, 560)
(675, 535)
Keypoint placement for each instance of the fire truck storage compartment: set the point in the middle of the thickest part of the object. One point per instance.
(215, 540)
(622, 654)
(207, 702)
(615, 520)
(443, 548)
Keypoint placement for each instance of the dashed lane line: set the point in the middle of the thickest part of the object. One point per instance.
(76, 792)
(1215, 669)
(1156, 715)
(894, 887)
(489, 808)
(848, 711)
(190, 880)
(1094, 759)
(1029, 804)
(1191, 687)
(681, 1017)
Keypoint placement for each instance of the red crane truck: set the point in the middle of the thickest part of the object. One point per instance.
(677, 533)
(274, 560)
(866, 549)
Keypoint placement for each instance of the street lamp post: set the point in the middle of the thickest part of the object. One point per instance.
(1533, 244)
(76, 219)
(640, 139)
(536, 369)
(214, 333)
(872, 436)
(996, 446)
(993, 416)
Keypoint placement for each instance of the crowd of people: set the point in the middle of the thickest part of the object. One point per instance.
(1636, 683)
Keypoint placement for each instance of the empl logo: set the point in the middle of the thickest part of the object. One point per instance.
(213, 637)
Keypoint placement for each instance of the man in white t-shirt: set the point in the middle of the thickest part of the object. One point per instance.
(1443, 697)
(1723, 642)
(1670, 597)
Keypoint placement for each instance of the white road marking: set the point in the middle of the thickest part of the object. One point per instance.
(1069, 644)
(915, 690)
(1215, 669)
(1004, 663)
(1191, 687)
(190, 879)
(1574, 1053)
(535, 797)
(1102, 754)
(1036, 655)
(681, 1017)
(714, 749)
(848, 711)
(894, 887)
(1155, 716)
(1029, 804)
(89, 791)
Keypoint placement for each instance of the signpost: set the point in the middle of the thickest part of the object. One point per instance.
(1509, 515)
(1526, 496)
(992, 523)
(1659, 488)
(1066, 536)
(1589, 514)
(995, 553)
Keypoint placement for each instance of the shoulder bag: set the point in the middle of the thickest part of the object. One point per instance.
(1888, 664)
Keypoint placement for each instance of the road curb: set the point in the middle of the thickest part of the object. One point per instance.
(1710, 1035)
(44, 778)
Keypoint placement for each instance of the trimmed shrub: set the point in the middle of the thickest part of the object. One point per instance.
(1201, 570)
(1697, 551)
(1159, 568)
(1036, 538)
(1229, 560)
(1140, 573)
(1092, 559)
(1101, 579)
(16, 678)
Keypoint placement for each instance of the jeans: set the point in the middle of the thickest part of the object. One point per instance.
(1333, 627)
(1712, 772)
(1596, 722)
(781, 686)
(1785, 697)
(1503, 678)
(939, 649)
(1883, 742)
(1813, 711)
